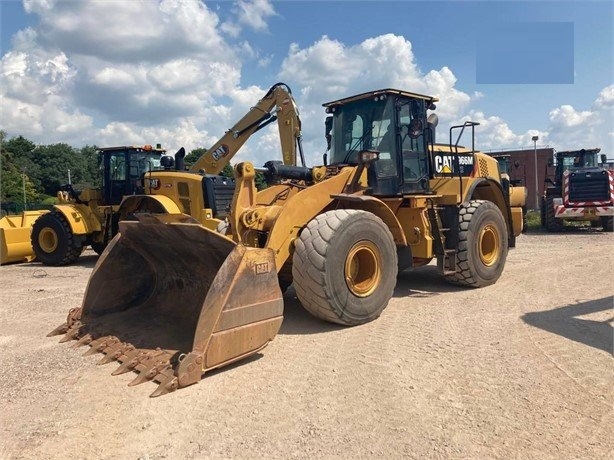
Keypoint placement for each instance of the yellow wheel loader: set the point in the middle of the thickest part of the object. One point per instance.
(142, 179)
(172, 299)
(516, 190)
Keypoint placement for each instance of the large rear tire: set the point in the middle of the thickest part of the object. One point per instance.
(607, 223)
(552, 223)
(345, 266)
(482, 245)
(53, 241)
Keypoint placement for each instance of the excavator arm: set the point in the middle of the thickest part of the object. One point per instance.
(276, 105)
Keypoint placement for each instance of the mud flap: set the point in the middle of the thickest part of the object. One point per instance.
(171, 299)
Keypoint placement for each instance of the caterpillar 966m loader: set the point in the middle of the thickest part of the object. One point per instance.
(141, 179)
(171, 299)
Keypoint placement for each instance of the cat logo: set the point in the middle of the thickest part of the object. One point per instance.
(453, 164)
(220, 152)
(262, 268)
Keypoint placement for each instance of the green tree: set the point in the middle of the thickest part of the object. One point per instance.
(194, 155)
(92, 172)
(14, 183)
(228, 171)
(55, 160)
(20, 152)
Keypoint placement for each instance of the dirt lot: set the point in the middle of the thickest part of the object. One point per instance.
(522, 368)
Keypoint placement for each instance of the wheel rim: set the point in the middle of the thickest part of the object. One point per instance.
(363, 268)
(489, 245)
(48, 240)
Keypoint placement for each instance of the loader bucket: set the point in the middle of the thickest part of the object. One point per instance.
(15, 245)
(171, 299)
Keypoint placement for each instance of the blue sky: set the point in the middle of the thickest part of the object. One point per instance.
(116, 72)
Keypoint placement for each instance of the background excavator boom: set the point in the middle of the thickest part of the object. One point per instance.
(277, 104)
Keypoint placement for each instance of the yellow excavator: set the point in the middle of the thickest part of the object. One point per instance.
(171, 298)
(142, 179)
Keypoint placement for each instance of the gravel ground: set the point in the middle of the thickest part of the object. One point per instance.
(523, 368)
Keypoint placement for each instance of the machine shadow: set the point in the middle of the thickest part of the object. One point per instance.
(564, 321)
(421, 282)
(298, 321)
(86, 261)
(424, 281)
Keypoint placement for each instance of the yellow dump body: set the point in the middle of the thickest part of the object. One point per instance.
(171, 299)
(15, 245)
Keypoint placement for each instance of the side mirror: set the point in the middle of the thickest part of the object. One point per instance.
(604, 158)
(368, 156)
(328, 127)
(415, 128)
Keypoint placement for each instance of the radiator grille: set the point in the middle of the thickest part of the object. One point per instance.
(589, 186)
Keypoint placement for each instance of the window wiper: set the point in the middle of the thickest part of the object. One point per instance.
(358, 142)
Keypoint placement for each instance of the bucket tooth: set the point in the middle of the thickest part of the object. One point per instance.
(61, 329)
(96, 346)
(115, 351)
(167, 385)
(129, 362)
(72, 333)
(150, 367)
(106, 359)
(141, 378)
(85, 340)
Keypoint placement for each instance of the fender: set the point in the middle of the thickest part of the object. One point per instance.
(81, 218)
(159, 204)
(491, 190)
(379, 208)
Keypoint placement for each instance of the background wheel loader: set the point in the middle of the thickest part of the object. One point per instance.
(581, 189)
(142, 179)
(517, 191)
(171, 298)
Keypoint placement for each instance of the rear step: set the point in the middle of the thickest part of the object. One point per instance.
(446, 257)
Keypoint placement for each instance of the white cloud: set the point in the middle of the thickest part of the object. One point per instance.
(494, 133)
(593, 127)
(171, 71)
(150, 31)
(566, 116)
(328, 69)
(565, 127)
(255, 13)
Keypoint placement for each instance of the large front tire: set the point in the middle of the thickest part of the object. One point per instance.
(482, 244)
(53, 241)
(345, 266)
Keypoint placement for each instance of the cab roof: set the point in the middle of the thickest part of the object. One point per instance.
(370, 94)
(145, 148)
(575, 152)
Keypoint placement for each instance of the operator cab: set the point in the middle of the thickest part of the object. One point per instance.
(124, 168)
(391, 122)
